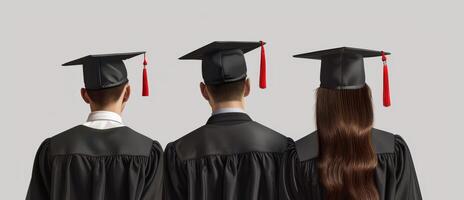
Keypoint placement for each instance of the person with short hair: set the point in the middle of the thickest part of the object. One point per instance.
(231, 157)
(102, 158)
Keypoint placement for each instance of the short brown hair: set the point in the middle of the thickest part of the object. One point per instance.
(228, 91)
(106, 96)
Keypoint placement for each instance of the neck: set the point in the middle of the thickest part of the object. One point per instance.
(112, 108)
(228, 104)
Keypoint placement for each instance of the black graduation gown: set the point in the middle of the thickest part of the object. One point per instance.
(229, 158)
(395, 175)
(92, 164)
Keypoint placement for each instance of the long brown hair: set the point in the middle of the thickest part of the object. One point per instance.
(347, 159)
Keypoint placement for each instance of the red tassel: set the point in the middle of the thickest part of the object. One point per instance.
(262, 69)
(386, 83)
(145, 90)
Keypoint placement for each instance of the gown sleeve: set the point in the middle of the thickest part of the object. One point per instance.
(289, 176)
(39, 187)
(407, 185)
(154, 174)
(174, 179)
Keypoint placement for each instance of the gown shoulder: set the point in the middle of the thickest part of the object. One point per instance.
(87, 163)
(307, 148)
(88, 141)
(211, 140)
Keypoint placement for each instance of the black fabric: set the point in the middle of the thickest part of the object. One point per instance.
(224, 67)
(395, 174)
(342, 68)
(229, 158)
(104, 70)
(87, 163)
(222, 61)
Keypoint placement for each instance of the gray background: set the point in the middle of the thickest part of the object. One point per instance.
(39, 98)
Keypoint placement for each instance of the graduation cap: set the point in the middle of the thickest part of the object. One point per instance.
(108, 70)
(343, 68)
(224, 61)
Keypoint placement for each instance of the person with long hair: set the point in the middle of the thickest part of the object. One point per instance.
(346, 158)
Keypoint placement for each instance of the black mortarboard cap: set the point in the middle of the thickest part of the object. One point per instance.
(343, 68)
(224, 61)
(104, 70)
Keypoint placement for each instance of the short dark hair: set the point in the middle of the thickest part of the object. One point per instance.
(106, 96)
(228, 91)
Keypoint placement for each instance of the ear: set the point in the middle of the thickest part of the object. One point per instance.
(85, 96)
(204, 91)
(247, 86)
(126, 94)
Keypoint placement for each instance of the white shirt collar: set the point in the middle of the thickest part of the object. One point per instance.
(228, 110)
(104, 116)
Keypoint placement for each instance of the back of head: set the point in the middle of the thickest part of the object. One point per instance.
(104, 97)
(228, 91)
(347, 159)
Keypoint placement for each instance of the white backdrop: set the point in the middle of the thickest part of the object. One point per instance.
(39, 98)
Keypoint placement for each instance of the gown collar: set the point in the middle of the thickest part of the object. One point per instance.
(229, 117)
